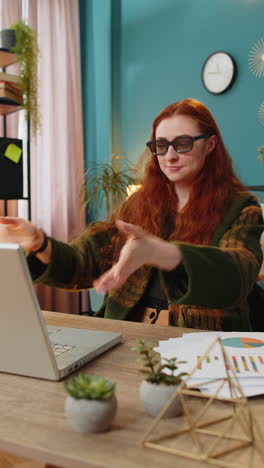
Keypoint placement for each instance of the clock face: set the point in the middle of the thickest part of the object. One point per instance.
(218, 72)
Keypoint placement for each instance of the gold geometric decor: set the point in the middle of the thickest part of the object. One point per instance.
(216, 430)
(261, 113)
(256, 58)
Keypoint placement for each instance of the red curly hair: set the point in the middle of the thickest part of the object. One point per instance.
(154, 206)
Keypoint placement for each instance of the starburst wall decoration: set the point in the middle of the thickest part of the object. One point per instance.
(261, 113)
(256, 58)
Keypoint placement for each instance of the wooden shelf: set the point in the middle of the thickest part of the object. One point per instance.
(6, 58)
(9, 108)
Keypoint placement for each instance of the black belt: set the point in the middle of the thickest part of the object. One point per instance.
(154, 303)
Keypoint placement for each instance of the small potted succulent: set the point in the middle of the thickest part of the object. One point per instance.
(91, 402)
(158, 385)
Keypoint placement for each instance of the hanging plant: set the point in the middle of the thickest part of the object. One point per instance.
(27, 51)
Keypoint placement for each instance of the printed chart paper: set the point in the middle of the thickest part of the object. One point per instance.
(244, 351)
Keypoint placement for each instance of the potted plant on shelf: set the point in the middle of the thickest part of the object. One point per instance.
(158, 385)
(91, 403)
(21, 40)
(106, 185)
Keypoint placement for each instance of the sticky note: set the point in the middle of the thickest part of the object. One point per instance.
(13, 152)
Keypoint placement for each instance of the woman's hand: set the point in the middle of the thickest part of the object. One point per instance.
(140, 249)
(20, 231)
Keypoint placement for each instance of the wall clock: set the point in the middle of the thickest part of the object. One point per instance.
(218, 72)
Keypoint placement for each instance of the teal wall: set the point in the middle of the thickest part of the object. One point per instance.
(140, 55)
(95, 29)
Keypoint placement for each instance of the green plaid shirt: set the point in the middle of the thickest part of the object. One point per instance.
(208, 290)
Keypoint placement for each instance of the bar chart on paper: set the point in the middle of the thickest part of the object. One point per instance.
(204, 359)
(240, 363)
(246, 354)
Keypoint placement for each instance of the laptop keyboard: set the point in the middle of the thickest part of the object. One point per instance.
(59, 349)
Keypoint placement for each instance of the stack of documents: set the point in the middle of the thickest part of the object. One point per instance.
(205, 360)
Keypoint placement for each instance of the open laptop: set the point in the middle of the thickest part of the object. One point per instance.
(27, 346)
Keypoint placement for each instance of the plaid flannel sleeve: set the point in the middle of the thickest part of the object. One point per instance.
(223, 275)
(74, 266)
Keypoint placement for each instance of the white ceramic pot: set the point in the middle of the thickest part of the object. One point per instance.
(154, 397)
(90, 415)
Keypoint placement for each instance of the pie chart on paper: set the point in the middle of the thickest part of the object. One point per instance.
(237, 342)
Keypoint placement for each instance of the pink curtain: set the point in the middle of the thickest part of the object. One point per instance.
(57, 162)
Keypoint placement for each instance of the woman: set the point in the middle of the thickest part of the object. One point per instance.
(184, 250)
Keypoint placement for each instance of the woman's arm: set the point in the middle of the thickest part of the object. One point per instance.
(70, 266)
(219, 275)
(24, 233)
(222, 274)
(140, 249)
